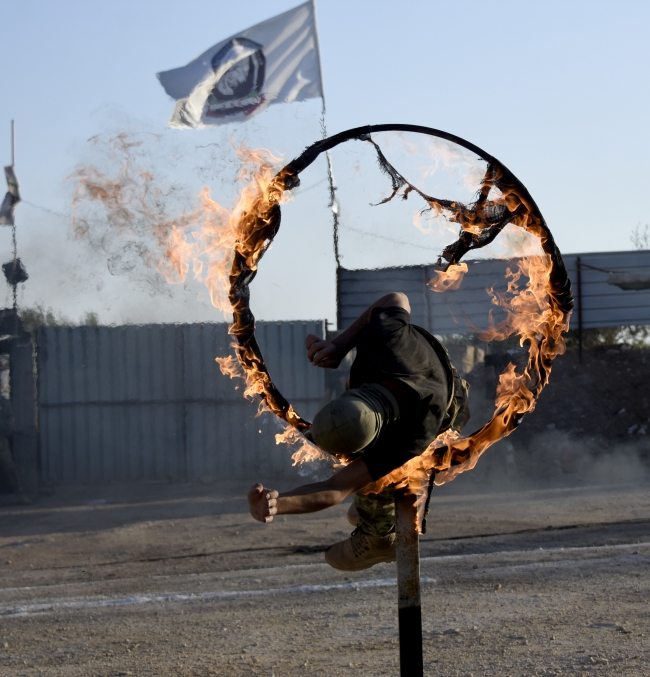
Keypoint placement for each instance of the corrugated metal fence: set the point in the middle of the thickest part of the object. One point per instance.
(149, 402)
(451, 312)
(603, 303)
(467, 309)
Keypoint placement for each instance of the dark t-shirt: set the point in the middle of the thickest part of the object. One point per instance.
(391, 349)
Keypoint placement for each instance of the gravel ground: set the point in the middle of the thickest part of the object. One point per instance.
(179, 580)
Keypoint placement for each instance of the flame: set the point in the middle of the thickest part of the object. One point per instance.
(214, 244)
(207, 240)
(306, 451)
(233, 242)
(203, 241)
(230, 367)
(536, 313)
(440, 154)
(448, 279)
(223, 247)
(539, 313)
(254, 379)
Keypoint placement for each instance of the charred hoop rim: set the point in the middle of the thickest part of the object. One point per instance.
(267, 223)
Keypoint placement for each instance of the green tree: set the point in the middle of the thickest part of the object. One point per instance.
(39, 315)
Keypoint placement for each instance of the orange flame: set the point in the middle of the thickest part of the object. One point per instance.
(448, 279)
(245, 232)
(204, 242)
(223, 247)
(537, 313)
(306, 451)
(208, 239)
(534, 314)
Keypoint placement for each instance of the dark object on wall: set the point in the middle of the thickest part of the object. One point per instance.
(15, 272)
(637, 281)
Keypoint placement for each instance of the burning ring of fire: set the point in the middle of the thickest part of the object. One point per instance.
(539, 313)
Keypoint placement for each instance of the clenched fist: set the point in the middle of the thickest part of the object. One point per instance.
(262, 503)
(322, 353)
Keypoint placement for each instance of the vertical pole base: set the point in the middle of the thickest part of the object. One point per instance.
(411, 662)
(408, 587)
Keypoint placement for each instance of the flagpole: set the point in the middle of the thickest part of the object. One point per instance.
(333, 202)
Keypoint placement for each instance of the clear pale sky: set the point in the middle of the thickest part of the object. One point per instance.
(558, 91)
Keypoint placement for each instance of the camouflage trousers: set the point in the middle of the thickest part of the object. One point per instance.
(376, 512)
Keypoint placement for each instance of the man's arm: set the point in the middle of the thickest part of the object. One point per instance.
(328, 354)
(265, 503)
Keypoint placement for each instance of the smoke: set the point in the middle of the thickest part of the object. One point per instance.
(556, 459)
(123, 210)
(157, 232)
(561, 457)
(134, 183)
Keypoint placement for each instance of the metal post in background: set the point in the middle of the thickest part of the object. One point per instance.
(408, 587)
(333, 202)
(579, 280)
(13, 225)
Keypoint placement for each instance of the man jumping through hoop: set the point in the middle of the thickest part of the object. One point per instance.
(403, 391)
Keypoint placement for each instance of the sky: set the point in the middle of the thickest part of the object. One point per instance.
(557, 91)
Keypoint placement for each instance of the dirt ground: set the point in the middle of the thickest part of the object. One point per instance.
(179, 580)
(605, 398)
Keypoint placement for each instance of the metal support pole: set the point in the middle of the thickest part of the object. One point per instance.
(13, 225)
(408, 587)
(579, 280)
(333, 202)
(15, 249)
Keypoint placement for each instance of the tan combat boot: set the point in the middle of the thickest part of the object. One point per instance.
(361, 551)
(353, 515)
